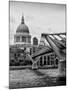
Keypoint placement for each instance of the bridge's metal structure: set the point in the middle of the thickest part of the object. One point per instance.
(56, 45)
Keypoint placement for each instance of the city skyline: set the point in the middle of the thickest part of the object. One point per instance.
(39, 17)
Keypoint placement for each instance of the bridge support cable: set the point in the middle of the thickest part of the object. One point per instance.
(62, 58)
(30, 58)
(62, 38)
(53, 34)
(58, 41)
(54, 47)
(34, 65)
(34, 61)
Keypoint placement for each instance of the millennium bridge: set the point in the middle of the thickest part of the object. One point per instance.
(56, 45)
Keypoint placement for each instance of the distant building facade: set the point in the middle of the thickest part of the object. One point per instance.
(22, 36)
(35, 41)
(22, 45)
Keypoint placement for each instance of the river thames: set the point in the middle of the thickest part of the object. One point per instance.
(26, 78)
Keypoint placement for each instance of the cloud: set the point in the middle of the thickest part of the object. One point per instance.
(12, 20)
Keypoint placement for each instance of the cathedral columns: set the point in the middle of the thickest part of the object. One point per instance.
(27, 40)
(20, 38)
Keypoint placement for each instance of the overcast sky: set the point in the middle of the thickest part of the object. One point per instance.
(39, 17)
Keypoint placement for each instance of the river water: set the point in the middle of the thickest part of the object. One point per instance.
(26, 78)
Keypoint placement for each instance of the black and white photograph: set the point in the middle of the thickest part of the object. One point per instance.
(37, 44)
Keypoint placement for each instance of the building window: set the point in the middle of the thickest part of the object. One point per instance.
(23, 39)
(29, 40)
(48, 60)
(56, 61)
(35, 41)
(41, 61)
(52, 62)
(17, 38)
(52, 57)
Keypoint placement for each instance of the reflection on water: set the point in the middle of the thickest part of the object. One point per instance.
(32, 78)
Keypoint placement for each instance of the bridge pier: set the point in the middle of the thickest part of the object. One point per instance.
(34, 65)
(62, 68)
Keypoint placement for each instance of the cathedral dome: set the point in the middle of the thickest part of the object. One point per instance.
(22, 28)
